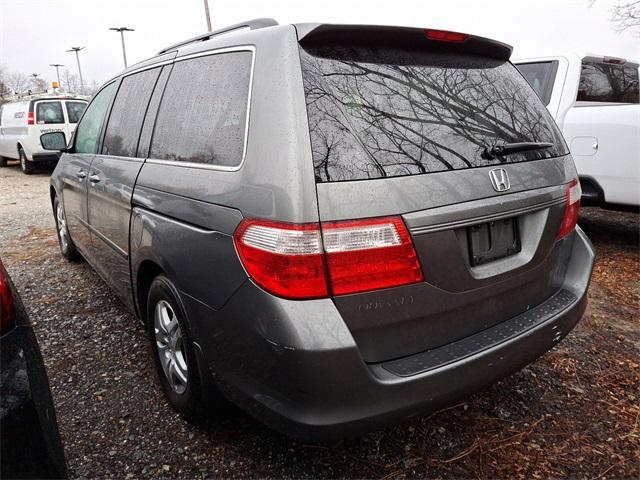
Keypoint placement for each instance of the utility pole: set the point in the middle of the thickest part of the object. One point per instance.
(57, 66)
(77, 49)
(122, 30)
(206, 12)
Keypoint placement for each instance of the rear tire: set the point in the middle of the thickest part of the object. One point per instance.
(3, 161)
(67, 247)
(173, 350)
(25, 165)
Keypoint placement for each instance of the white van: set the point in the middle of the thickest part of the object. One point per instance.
(23, 121)
(595, 101)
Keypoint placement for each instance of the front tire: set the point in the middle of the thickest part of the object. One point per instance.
(67, 247)
(25, 165)
(173, 349)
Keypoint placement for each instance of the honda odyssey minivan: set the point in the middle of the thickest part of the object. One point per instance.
(336, 227)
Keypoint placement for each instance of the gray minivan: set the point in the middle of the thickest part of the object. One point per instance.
(335, 227)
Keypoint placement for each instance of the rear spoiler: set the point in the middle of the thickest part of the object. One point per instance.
(322, 34)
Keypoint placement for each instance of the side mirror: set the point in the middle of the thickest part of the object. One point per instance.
(53, 141)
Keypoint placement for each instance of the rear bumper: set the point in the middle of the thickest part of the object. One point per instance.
(295, 365)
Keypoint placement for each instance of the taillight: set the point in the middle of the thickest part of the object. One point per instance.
(445, 36)
(369, 254)
(309, 261)
(7, 308)
(30, 120)
(572, 209)
(284, 259)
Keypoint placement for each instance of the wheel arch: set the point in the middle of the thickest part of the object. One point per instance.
(146, 272)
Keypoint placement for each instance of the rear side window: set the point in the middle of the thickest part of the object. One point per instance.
(540, 76)
(386, 112)
(127, 114)
(49, 112)
(75, 110)
(608, 82)
(203, 113)
(88, 130)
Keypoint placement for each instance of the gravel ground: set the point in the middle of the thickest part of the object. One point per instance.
(574, 412)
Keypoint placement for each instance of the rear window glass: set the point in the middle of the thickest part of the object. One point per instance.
(75, 110)
(127, 113)
(384, 112)
(203, 112)
(49, 112)
(540, 76)
(607, 82)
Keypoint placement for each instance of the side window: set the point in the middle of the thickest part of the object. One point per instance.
(203, 113)
(49, 112)
(127, 114)
(89, 127)
(75, 110)
(608, 82)
(541, 76)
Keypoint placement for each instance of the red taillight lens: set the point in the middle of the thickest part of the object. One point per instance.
(572, 210)
(369, 254)
(30, 120)
(444, 36)
(289, 260)
(284, 259)
(7, 309)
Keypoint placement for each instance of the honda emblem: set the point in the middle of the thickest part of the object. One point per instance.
(499, 179)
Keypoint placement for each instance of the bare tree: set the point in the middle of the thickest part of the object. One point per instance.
(71, 82)
(625, 15)
(17, 82)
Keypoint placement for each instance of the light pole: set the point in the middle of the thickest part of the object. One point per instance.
(122, 30)
(77, 49)
(206, 12)
(57, 66)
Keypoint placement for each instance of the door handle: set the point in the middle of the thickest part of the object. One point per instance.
(94, 178)
(81, 175)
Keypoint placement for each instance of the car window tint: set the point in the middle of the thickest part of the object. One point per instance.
(127, 114)
(88, 130)
(149, 121)
(203, 113)
(540, 76)
(387, 112)
(49, 112)
(75, 110)
(607, 82)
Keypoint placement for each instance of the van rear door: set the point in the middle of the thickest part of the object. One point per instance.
(402, 125)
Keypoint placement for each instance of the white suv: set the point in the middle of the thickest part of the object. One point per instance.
(596, 103)
(22, 122)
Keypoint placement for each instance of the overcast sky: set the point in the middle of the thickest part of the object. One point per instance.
(35, 33)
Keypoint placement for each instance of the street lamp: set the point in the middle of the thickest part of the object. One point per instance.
(57, 66)
(77, 49)
(206, 12)
(122, 30)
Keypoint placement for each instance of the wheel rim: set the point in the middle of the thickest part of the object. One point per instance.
(62, 228)
(170, 346)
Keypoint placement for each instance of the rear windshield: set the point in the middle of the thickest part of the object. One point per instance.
(606, 82)
(75, 110)
(384, 112)
(49, 112)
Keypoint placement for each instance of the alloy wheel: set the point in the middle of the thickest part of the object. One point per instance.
(170, 346)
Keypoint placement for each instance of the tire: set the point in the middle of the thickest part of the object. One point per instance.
(3, 161)
(25, 165)
(173, 350)
(67, 247)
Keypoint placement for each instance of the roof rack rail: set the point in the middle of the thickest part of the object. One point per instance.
(254, 24)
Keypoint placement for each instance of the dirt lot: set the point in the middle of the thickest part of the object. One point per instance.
(574, 412)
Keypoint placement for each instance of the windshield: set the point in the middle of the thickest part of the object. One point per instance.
(384, 112)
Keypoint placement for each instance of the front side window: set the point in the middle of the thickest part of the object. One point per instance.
(379, 112)
(203, 113)
(49, 112)
(127, 114)
(75, 110)
(608, 82)
(88, 129)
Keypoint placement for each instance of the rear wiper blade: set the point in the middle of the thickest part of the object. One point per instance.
(509, 148)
